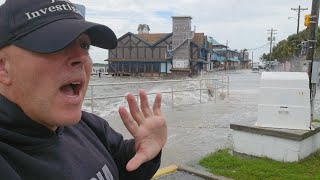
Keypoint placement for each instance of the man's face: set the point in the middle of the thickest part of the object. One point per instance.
(50, 88)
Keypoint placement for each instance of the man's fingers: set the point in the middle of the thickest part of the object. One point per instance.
(136, 161)
(157, 104)
(145, 103)
(134, 109)
(128, 121)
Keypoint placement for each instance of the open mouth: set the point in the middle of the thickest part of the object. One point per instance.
(71, 89)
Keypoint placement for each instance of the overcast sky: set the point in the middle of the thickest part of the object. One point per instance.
(243, 23)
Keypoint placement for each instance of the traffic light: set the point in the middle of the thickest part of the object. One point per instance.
(307, 20)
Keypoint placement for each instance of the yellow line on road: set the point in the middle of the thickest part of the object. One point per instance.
(165, 170)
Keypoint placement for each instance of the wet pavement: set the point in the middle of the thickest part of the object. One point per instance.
(199, 129)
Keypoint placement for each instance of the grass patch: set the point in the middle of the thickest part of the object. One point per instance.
(247, 168)
(316, 120)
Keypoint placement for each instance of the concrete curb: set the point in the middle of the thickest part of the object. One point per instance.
(189, 170)
(165, 170)
(202, 174)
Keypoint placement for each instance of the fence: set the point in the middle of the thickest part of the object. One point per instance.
(214, 86)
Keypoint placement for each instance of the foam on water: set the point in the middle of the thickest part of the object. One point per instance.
(244, 89)
(110, 106)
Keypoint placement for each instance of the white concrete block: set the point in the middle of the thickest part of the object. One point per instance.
(276, 148)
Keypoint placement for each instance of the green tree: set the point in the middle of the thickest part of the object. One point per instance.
(285, 49)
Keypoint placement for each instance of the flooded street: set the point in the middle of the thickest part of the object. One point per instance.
(195, 130)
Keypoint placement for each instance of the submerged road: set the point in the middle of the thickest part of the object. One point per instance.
(199, 129)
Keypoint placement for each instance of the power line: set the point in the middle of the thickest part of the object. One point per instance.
(259, 47)
(299, 9)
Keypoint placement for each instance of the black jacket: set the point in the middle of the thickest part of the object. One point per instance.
(89, 150)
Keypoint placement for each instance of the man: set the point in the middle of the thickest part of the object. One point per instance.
(44, 73)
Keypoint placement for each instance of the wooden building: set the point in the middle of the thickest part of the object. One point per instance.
(140, 54)
(182, 52)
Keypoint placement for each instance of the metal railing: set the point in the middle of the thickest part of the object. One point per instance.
(213, 86)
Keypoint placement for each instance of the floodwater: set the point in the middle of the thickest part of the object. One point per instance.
(194, 129)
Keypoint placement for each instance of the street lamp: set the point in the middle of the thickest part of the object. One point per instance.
(297, 23)
(292, 18)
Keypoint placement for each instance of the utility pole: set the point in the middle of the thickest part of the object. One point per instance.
(227, 58)
(313, 65)
(299, 9)
(252, 60)
(243, 55)
(271, 38)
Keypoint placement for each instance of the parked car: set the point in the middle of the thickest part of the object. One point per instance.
(262, 66)
(255, 67)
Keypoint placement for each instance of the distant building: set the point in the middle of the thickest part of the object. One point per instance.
(224, 56)
(99, 68)
(246, 62)
(143, 29)
(182, 52)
